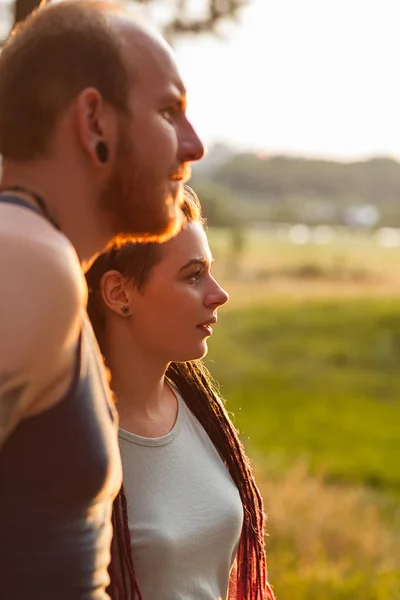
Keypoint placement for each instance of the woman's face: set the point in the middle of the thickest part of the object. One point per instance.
(172, 316)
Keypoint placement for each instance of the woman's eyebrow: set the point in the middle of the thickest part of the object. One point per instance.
(197, 261)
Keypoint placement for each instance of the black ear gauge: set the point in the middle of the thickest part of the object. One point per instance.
(102, 151)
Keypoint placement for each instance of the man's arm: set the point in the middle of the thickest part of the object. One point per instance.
(40, 314)
(10, 392)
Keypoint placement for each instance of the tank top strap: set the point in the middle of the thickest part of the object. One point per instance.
(6, 199)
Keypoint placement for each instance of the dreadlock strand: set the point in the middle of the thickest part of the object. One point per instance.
(127, 544)
(199, 393)
(114, 589)
(202, 397)
(123, 555)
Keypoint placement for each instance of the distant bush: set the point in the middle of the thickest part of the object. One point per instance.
(216, 205)
(293, 189)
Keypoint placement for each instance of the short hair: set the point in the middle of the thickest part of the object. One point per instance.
(47, 61)
(134, 260)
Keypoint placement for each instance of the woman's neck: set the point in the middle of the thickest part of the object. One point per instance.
(136, 382)
(145, 403)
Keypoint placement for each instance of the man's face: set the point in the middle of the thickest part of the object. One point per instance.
(156, 143)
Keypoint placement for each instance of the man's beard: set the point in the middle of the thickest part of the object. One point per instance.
(137, 207)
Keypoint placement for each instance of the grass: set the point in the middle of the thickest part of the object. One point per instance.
(319, 380)
(308, 357)
(316, 383)
(329, 542)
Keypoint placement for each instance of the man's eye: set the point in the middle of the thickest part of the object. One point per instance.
(195, 276)
(168, 114)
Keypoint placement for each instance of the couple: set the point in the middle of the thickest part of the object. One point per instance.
(96, 146)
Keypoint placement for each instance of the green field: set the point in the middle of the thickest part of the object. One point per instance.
(317, 379)
(308, 361)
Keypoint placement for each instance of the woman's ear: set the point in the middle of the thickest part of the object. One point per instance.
(113, 288)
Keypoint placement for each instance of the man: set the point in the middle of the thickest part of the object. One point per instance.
(95, 144)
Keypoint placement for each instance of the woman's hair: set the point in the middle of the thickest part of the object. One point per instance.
(199, 391)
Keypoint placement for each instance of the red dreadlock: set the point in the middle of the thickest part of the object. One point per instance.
(199, 392)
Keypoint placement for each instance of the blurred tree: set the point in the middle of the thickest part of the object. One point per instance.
(180, 18)
(238, 239)
(310, 191)
(216, 204)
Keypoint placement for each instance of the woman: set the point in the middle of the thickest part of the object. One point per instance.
(189, 507)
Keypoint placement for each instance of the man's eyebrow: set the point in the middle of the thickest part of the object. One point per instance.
(197, 261)
(177, 99)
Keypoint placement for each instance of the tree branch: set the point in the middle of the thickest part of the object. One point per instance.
(218, 11)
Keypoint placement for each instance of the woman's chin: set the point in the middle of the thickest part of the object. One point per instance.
(194, 353)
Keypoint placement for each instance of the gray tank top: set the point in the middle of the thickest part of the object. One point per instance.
(59, 473)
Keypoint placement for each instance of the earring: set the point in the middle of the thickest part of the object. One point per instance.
(102, 151)
(125, 311)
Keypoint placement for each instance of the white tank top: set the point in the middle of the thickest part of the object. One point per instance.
(185, 513)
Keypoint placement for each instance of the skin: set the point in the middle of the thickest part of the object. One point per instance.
(159, 120)
(90, 200)
(149, 153)
(163, 325)
(37, 347)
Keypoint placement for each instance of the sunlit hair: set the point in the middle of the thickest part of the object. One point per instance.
(47, 61)
(200, 394)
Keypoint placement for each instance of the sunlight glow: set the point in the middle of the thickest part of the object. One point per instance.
(310, 77)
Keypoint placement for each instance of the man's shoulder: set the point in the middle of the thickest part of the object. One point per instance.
(37, 251)
(44, 295)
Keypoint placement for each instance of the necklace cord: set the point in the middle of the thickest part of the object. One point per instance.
(38, 199)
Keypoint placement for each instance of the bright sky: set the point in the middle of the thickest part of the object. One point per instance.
(315, 77)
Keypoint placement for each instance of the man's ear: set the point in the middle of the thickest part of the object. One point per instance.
(96, 126)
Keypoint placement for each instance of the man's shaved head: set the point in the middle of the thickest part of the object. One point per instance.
(50, 58)
(96, 92)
